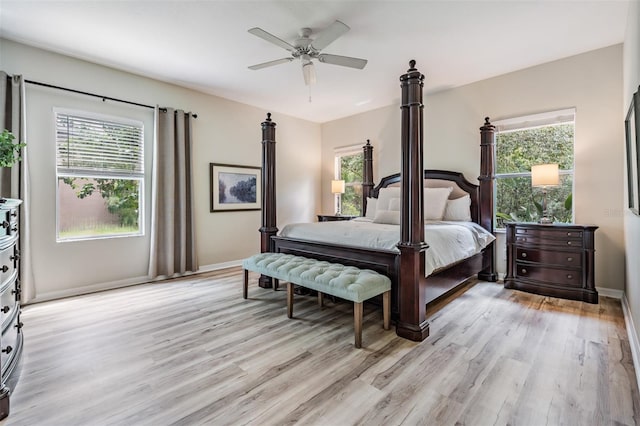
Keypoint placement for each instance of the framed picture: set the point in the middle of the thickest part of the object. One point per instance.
(235, 188)
(631, 128)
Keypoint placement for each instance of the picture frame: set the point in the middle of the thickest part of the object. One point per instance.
(235, 187)
(631, 128)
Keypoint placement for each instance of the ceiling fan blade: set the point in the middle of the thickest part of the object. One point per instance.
(345, 61)
(272, 39)
(309, 73)
(329, 35)
(270, 63)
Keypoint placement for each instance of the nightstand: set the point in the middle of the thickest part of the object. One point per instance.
(333, 217)
(553, 260)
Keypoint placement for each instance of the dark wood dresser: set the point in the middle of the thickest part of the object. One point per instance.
(553, 260)
(333, 217)
(11, 337)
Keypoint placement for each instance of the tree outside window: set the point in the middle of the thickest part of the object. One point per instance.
(516, 151)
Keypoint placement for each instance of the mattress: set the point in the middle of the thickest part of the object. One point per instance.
(449, 242)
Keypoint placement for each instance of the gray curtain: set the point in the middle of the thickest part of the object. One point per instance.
(14, 181)
(173, 247)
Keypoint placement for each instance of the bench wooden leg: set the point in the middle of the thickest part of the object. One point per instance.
(357, 323)
(386, 308)
(289, 300)
(245, 284)
(320, 299)
(276, 284)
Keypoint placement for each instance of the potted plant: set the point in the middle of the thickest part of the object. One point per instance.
(9, 151)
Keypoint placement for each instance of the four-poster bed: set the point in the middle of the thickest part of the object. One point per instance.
(411, 289)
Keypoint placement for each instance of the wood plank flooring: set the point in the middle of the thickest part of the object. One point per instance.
(193, 351)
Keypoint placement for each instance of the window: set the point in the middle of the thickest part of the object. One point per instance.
(348, 167)
(100, 174)
(524, 142)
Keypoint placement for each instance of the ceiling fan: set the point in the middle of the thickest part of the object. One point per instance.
(306, 48)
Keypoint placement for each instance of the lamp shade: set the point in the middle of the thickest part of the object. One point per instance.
(337, 186)
(545, 175)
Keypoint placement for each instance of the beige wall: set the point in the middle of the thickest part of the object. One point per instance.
(224, 132)
(631, 221)
(591, 82)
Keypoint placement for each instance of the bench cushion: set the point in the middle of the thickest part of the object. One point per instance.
(346, 282)
(274, 265)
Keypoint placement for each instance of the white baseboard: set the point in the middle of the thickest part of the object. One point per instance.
(610, 292)
(218, 266)
(94, 288)
(633, 336)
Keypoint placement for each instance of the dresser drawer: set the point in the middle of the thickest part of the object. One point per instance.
(558, 232)
(563, 258)
(9, 222)
(11, 345)
(565, 277)
(8, 302)
(541, 240)
(7, 262)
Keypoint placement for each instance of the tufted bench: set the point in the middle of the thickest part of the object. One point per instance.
(347, 282)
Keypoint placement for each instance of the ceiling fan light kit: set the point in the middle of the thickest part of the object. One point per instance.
(306, 49)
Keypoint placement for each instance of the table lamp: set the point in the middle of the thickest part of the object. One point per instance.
(337, 187)
(545, 176)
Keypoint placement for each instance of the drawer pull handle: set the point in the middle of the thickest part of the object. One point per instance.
(5, 224)
(19, 325)
(568, 234)
(524, 255)
(16, 257)
(14, 229)
(5, 309)
(569, 259)
(569, 242)
(524, 271)
(14, 213)
(569, 276)
(4, 268)
(7, 350)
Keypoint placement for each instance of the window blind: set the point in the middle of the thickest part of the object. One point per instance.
(95, 146)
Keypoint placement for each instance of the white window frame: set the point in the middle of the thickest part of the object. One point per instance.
(531, 121)
(140, 177)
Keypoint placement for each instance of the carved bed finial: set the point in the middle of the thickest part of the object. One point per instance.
(412, 65)
(486, 121)
(268, 116)
(368, 142)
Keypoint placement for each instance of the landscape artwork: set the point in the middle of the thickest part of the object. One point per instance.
(235, 188)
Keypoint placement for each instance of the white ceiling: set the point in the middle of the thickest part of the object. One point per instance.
(205, 44)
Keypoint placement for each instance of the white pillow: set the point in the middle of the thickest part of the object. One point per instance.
(391, 217)
(458, 209)
(395, 204)
(435, 201)
(385, 195)
(371, 208)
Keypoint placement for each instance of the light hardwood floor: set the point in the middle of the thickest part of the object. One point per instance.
(192, 351)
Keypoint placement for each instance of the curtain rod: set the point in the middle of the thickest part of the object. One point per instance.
(104, 98)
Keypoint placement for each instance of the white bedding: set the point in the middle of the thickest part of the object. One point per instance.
(449, 242)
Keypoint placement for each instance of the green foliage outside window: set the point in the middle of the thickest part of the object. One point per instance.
(351, 173)
(516, 152)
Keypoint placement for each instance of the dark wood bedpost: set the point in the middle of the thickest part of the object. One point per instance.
(412, 323)
(367, 174)
(268, 228)
(487, 178)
